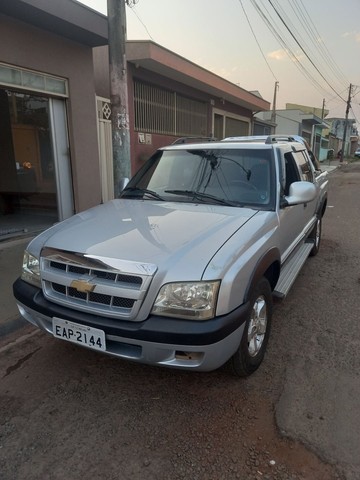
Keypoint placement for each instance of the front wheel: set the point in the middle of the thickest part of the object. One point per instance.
(256, 333)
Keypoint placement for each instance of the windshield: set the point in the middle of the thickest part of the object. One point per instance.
(235, 177)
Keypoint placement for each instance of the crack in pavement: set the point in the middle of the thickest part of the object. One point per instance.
(18, 364)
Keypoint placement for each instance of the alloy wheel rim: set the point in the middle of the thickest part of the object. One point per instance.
(317, 235)
(257, 326)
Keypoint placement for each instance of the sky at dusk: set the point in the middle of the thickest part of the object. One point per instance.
(311, 47)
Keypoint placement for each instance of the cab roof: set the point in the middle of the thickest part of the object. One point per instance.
(249, 142)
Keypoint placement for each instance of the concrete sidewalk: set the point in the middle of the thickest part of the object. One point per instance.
(331, 165)
(11, 254)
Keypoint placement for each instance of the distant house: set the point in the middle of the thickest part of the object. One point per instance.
(296, 121)
(336, 135)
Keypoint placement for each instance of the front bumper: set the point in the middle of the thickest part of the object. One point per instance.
(172, 342)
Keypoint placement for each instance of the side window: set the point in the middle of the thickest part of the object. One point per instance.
(291, 172)
(303, 162)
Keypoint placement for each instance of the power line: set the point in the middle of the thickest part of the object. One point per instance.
(336, 96)
(131, 4)
(271, 24)
(352, 111)
(257, 42)
(302, 49)
(312, 31)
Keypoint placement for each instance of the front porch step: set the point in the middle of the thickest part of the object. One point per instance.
(291, 270)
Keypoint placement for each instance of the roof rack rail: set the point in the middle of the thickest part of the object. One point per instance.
(193, 139)
(278, 137)
(246, 139)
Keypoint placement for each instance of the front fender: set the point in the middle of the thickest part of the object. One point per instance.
(269, 266)
(243, 259)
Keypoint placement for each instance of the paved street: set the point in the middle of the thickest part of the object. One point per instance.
(69, 413)
(320, 400)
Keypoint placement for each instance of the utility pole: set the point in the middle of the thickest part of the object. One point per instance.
(273, 113)
(348, 103)
(118, 92)
(323, 109)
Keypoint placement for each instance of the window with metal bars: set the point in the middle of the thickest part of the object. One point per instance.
(161, 111)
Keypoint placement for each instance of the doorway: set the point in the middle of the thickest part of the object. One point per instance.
(32, 133)
(229, 125)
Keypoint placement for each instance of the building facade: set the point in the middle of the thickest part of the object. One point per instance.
(296, 121)
(336, 135)
(48, 125)
(171, 97)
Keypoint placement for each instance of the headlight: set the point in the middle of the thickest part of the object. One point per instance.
(194, 301)
(31, 270)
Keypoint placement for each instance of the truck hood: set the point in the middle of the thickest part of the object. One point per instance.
(156, 233)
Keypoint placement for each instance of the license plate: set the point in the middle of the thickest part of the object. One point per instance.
(80, 334)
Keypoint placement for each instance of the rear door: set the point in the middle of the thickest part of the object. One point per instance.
(296, 221)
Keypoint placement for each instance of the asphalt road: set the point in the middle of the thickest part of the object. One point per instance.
(320, 402)
(69, 413)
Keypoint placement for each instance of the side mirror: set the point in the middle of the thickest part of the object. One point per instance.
(301, 192)
(122, 184)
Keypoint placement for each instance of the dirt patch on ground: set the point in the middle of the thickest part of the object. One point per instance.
(67, 412)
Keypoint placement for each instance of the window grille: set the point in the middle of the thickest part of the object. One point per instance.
(191, 117)
(161, 111)
(235, 127)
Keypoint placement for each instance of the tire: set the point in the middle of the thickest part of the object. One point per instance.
(315, 236)
(253, 344)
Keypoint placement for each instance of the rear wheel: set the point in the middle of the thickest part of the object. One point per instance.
(315, 236)
(253, 344)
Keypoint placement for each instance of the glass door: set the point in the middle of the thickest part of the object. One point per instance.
(61, 149)
(35, 184)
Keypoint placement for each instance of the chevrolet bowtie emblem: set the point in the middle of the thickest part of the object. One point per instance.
(82, 286)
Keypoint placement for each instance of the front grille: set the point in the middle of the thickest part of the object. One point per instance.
(116, 277)
(93, 286)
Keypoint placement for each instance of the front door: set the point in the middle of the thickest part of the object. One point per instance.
(35, 187)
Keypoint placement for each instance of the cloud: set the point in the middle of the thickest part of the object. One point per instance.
(354, 35)
(277, 55)
(282, 55)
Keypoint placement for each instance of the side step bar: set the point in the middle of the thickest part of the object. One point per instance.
(291, 270)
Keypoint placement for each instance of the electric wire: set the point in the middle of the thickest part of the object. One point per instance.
(290, 23)
(355, 118)
(336, 98)
(271, 25)
(257, 42)
(133, 9)
(302, 49)
(311, 29)
(317, 46)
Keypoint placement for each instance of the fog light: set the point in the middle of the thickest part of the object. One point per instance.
(190, 356)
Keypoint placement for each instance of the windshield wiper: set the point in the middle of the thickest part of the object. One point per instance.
(215, 160)
(145, 191)
(201, 196)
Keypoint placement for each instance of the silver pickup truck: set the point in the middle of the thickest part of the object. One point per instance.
(181, 270)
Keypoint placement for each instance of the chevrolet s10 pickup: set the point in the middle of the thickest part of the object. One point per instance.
(180, 271)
